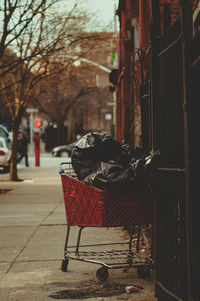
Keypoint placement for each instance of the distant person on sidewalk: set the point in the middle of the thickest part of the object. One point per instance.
(23, 148)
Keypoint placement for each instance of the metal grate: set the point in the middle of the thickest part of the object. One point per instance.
(110, 257)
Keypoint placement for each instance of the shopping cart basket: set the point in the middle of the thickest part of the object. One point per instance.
(88, 206)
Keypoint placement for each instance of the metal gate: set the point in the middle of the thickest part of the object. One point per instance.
(168, 137)
(194, 129)
(170, 109)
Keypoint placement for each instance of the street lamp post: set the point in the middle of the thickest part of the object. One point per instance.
(31, 111)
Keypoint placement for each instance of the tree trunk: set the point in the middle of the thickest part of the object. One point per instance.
(13, 164)
(71, 126)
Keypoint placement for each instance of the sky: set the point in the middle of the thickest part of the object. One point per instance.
(104, 8)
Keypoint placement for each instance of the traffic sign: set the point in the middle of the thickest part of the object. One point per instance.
(31, 110)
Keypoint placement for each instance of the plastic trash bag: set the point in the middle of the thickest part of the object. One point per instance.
(111, 177)
(133, 179)
(100, 161)
(131, 152)
(93, 148)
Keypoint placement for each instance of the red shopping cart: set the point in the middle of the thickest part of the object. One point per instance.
(88, 206)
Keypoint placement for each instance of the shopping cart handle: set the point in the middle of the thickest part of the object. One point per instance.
(64, 163)
(61, 170)
(67, 169)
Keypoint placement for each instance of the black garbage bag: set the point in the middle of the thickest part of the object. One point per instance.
(93, 148)
(130, 180)
(130, 152)
(111, 177)
(144, 170)
(101, 161)
(107, 175)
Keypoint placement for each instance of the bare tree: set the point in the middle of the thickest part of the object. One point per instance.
(37, 32)
(61, 92)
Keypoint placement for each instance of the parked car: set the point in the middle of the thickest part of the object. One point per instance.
(63, 150)
(5, 133)
(5, 153)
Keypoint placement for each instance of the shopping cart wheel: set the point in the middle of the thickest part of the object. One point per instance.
(102, 274)
(143, 271)
(64, 265)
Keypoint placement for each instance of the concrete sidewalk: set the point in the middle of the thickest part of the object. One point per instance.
(32, 236)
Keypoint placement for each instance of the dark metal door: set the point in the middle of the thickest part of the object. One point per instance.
(168, 137)
(194, 130)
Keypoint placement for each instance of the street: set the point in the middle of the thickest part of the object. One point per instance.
(32, 237)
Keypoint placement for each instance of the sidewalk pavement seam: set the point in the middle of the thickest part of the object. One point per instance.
(31, 236)
(41, 225)
(34, 260)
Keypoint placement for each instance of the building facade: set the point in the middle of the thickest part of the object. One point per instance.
(157, 108)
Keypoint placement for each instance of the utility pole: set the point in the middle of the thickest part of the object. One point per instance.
(115, 65)
(31, 111)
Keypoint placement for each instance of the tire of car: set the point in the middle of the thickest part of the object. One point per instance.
(64, 154)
